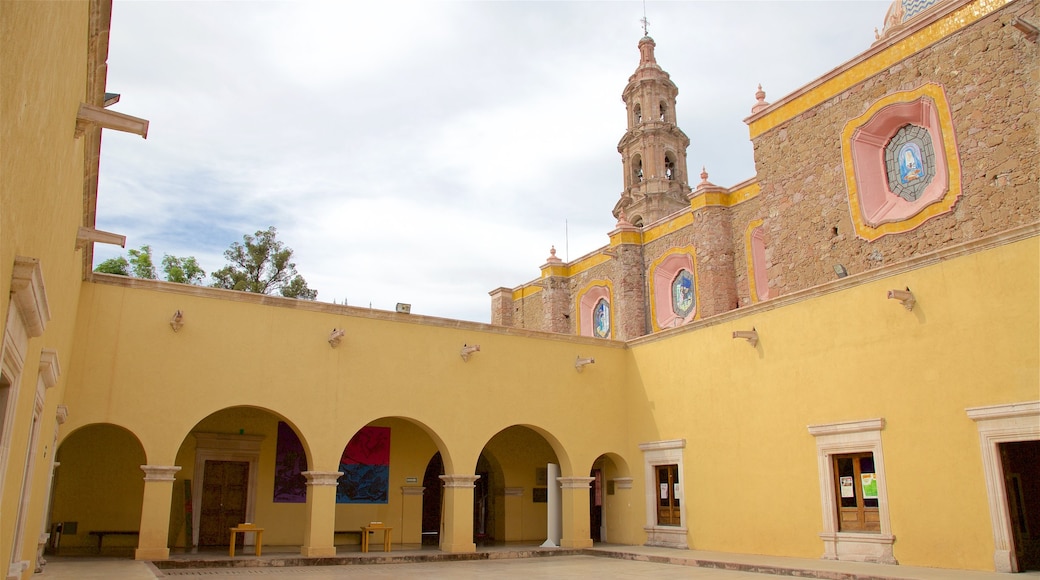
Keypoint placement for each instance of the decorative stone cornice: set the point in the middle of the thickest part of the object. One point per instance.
(575, 482)
(459, 480)
(659, 445)
(847, 427)
(412, 489)
(322, 477)
(1025, 409)
(160, 472)
(49, 367)
(29, 294)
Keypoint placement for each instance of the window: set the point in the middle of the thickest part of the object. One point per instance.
(638, 113)
(669, 167)
(857, 493)
(665, 510)
(856, 523)
(664, 110)
(668, 486)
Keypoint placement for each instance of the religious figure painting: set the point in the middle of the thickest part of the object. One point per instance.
(601, 319)
(682, 293)
(366, 467)
(910, 166)
(290, 462)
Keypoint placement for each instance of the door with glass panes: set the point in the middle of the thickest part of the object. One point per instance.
(857, 493)
(668, 502)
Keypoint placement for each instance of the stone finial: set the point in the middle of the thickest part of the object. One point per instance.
(552, 259)
(622, 220)
(760, 100)
(704, 177)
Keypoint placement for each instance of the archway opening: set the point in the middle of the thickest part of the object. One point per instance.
(98, 487)
(609, 498)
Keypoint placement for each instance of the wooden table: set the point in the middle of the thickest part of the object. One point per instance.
(243, 529)
(365, 530)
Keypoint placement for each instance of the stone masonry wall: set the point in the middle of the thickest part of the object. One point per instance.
(989, 72)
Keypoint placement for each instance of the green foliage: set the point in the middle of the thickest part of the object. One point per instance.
(182, 270)
(118, 266)
(141, 263)
(262, 265)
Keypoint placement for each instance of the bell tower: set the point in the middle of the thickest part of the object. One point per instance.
(653, 150)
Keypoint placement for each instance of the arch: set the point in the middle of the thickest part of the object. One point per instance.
(609, 497)
(366, 491)
(663, 111)
(669, 166)
(637, 169)
(515, 459)
(99, 485)
(637, 114)
(220, 458)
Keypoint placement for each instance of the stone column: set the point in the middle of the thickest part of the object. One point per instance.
(457, 517)
(411, 514)
(575, 512)
(320, 530)
(154, 533)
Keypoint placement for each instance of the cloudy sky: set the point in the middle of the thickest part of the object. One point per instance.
(426, 152)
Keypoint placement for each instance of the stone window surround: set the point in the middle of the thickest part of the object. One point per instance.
(656, 453)
(662, 273)
(852, 437)
(225, 447)
(1003, 424)
(587, 299)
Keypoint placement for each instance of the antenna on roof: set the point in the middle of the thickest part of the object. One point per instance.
(645, 22)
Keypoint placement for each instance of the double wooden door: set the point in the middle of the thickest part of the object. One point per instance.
(224, 494)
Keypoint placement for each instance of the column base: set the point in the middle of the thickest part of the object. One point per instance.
(463, 548)
(152, 554)
(576, 544)
(318, 551)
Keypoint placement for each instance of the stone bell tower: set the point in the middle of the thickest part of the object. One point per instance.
(653, 150)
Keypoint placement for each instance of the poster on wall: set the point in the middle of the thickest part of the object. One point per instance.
(366, 467)
(290, 462)
(869, 483)
(847, 489)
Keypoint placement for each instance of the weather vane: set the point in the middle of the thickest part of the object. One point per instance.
(645, 22)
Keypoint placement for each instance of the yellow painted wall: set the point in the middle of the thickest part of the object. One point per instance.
(971, 340)
(43, 47)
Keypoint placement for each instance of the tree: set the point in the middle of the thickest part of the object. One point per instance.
(262, 265)
(140, 265)
(182, 270)
(118, 266)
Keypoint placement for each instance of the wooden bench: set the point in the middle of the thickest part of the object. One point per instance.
(102, 533)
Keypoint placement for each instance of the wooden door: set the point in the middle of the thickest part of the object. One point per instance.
(224, 494)
(856, 483)
(668, 513)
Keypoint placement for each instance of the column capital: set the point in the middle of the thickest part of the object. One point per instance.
(322, 477)
(575, 482)
(160, 472)
(459, 480)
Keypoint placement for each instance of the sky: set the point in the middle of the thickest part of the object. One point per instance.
(427, 152)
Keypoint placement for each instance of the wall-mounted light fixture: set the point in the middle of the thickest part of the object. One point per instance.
(177, 321)
(335, 337)
(905, 297)
(404, 308)
(580, 363)
(86, 235)
(749, 335)
(468, 349)
(1027, 28)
